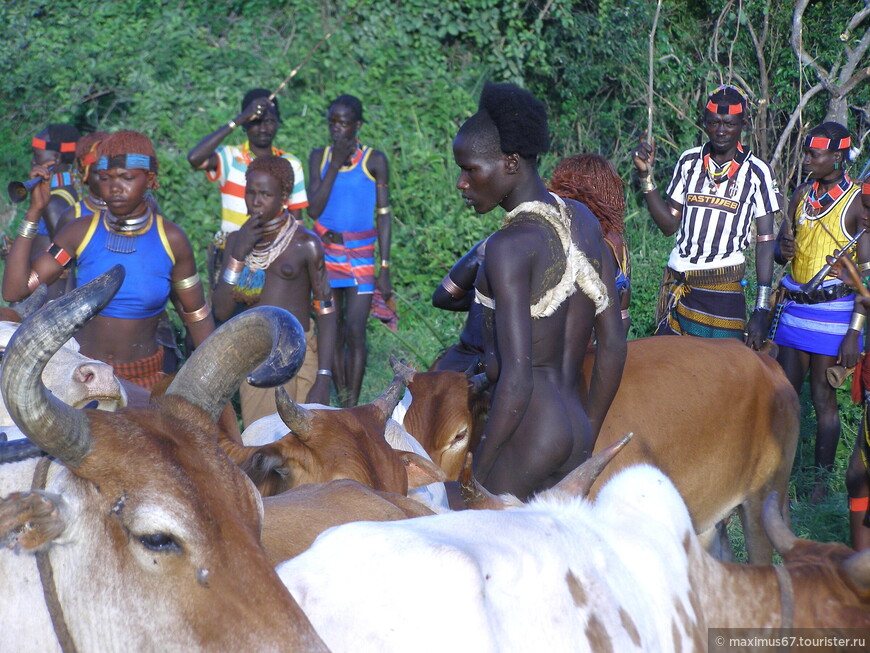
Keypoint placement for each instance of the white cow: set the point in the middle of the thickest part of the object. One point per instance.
(72, 377)
(626, 573)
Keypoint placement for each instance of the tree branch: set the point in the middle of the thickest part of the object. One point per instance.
(783, 139)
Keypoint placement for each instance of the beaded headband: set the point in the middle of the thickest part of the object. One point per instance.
(128, 162)
(52, 146)
(822, 143)
(865, 187)
(726, 109)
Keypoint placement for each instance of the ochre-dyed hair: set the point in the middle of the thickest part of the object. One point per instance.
(592, 180)
(276, 167)
(88, 143)
(126, 141)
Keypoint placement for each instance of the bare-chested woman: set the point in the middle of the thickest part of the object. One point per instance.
(545, 282)
(272, 260)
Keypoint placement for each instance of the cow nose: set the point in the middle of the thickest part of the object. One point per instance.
(97, 377)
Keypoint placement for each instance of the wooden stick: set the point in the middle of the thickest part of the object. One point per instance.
(649, 100)
(310, 52)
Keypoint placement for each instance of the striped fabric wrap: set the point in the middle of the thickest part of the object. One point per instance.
(351, 263)
(814, 328)
(145, 372)
(704, 303)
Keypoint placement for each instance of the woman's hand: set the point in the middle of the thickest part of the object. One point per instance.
(41, 193)
(247, 237)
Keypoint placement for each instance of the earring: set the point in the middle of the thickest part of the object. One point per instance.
(836, 165)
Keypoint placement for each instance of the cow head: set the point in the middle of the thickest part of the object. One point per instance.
(326, 444)
(831, 581)
(447, 413)
(160, 530)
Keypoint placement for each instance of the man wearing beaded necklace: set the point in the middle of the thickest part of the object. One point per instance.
(275, 261)
(817, 328)
(348, 187)
(716, 191)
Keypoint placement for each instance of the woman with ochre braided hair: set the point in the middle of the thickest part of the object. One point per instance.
(155, 253)
(817, 328)
(592, 180)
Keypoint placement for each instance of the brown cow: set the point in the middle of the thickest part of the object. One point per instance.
(147, 534)
(293, 519)
(720, 419)
(318, 445)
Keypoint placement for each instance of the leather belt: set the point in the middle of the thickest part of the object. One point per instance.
(333, 237)
(819, 295)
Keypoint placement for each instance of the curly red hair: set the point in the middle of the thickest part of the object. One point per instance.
(592, 180)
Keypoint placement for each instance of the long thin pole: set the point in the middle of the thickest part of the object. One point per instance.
(310, 52)
(649, 100)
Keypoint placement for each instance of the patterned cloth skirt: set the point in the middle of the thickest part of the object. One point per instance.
(705, 303)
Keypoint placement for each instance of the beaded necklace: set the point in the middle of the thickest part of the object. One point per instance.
(813, 206)
(720, 172)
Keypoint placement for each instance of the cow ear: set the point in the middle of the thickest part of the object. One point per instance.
(31, 520)
(421, 471)
(262, 463)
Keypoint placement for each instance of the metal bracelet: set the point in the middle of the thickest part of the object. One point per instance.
(232, 124)
(762, 298)
(230, 278)
(624, 313)
(647, 185)
(324, 372)
(385, 262)
(33, 281)
(184, 284)
(28, 229)
(235, 265)
(763, 238)
(864, 267)
(450, 286)
(383, 210)
(857, 322)
(195, 316)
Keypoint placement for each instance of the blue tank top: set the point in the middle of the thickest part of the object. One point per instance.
(146, 286)
(351, 205)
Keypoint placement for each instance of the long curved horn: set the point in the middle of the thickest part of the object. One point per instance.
(777, 530)
(399, 368)
(388, 401)
(60, 430)
(297, 418)
(27, 307)
(263, 334)
(580, 481)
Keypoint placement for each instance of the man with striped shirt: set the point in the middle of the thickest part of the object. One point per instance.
(717, 190)
(228, 164)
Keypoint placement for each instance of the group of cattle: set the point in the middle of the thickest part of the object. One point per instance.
(149, 528)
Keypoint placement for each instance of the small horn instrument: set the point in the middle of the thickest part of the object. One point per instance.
(837, 375)
(19, 190)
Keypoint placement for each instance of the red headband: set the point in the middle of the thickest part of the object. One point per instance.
(52, 146)
(822, 143)
(865, 188)
(725, 109)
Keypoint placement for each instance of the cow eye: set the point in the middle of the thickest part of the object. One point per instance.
(160, 542)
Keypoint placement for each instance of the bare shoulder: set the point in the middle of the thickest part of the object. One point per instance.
(309, 241)
(176, 236)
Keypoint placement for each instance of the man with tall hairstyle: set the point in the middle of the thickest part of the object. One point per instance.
(545, 281)
(715, 193)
